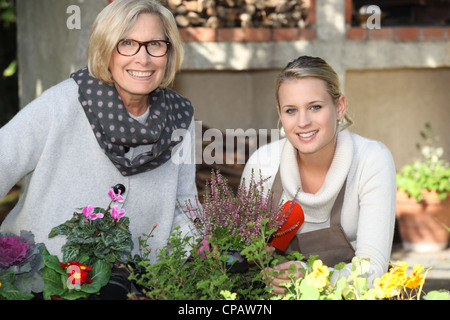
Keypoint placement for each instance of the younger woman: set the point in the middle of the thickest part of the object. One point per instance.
(347, 182)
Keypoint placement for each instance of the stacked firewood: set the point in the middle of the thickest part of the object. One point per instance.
(239, 13)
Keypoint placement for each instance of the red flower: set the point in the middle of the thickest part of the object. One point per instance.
(77, 272)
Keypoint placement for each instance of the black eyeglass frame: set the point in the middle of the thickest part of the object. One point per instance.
(145, 44)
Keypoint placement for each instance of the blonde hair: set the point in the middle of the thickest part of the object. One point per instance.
(115, 21)
(313, 67)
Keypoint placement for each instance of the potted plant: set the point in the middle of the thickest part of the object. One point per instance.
(229, 230)
(96, 238)
(75, 279)
(20, 264)
(231, 222)
(423, 202)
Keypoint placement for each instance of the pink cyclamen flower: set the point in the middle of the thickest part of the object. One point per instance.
(116, 213)
(88, 213)
(115, 197)
(96, 215)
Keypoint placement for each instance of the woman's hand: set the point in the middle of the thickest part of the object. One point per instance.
(285, 276)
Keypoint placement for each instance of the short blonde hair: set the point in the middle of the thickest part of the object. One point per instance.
(313, 67)
(115, 22)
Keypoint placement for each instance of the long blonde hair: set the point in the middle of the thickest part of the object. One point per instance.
(115, 21)
(313, 67)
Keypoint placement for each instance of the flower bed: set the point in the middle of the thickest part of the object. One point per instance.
(227, 256)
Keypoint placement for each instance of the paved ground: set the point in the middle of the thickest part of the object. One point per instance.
(439, 275)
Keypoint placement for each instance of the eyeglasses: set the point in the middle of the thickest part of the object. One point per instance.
(155, 48)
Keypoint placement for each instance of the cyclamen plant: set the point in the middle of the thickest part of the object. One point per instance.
(234, 220)
(96, 232)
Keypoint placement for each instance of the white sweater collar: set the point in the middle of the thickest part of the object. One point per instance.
(317, 206)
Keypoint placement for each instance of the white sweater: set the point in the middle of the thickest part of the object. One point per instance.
(50, 143)
(368, 212)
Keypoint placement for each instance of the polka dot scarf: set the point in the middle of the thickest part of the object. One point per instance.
(116, 131)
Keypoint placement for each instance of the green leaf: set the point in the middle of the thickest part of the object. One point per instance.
(83, 259)
(340, 266)
(62, 229)
(295, 255)
(53, 263)
(438, 295)
(11, 69)
(360, 266)
(9, 291)
(308, 292)
(53, 283)
(70, 252)
(311, 260)
(100, 275)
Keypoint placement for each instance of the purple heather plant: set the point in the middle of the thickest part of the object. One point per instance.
(236, 219)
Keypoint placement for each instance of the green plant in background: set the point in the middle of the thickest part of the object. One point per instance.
(9, 88)
(429, 173)
(8, 19)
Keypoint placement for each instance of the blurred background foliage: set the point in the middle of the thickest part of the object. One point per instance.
(9, 91)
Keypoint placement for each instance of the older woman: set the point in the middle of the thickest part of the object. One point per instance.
(108, 125)
(347, 182)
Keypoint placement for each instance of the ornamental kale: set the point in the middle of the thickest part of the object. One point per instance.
(20, 265)
(12, 250)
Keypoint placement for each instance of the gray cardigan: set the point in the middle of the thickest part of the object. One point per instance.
(51, 144)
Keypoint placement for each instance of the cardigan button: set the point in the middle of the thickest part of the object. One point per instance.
(119, 187)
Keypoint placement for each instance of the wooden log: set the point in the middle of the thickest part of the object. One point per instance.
(195, 19)
(172, 4)
(240, 13)
(182, 21)
(213, 22)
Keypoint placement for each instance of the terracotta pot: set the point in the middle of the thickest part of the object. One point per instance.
(420, 224)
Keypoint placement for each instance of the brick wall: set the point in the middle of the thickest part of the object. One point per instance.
(398, 33)
(394, 33)
(239, 34)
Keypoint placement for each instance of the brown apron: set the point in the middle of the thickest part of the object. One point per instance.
(330, 244)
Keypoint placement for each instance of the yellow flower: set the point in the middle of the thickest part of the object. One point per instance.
(379, 287)
(391, 283)
(319, 276)
(416, 279)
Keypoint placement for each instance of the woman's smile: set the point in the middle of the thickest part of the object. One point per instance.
(141, 75)
(307, 136)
